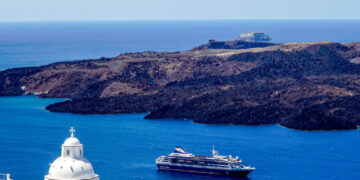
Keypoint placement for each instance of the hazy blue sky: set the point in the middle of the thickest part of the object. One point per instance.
(54, 10)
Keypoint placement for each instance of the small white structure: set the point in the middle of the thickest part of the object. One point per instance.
(72, 164)
(254, 36)
(5, 177)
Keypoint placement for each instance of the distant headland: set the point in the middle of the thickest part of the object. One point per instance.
(250, 81)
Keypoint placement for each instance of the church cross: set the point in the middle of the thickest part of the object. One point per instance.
(72, 130)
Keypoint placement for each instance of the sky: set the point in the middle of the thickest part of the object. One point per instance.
(75, 10)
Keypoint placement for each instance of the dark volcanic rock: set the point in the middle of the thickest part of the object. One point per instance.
(10, 80)
(342, 113)
(255, 115)
(237, 44)
(99, 106)
(309, 86)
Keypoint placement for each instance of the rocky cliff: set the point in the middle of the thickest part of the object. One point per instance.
(309, 86)
(237, 44)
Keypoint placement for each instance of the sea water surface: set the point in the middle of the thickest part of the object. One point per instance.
(126, 146)
(39, 43)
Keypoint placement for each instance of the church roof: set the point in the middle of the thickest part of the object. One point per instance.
(72, 141)
(69, 168)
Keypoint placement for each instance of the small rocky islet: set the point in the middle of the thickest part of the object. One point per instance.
(307, 86)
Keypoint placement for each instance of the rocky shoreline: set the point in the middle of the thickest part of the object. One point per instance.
(307, 86)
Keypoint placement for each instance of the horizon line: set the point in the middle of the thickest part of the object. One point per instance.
(250, 19)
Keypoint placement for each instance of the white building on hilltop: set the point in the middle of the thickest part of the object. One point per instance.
(72, 165)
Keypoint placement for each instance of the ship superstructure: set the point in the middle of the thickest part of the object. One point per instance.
(181, 160)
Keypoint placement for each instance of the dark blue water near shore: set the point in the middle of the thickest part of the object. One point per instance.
(39, 43)
(126, 146)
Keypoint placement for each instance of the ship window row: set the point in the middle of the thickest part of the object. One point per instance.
(191, 162)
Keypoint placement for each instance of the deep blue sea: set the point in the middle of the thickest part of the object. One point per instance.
(126, 146)
(38, 43)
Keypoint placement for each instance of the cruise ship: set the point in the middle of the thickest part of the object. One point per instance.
(181, 160)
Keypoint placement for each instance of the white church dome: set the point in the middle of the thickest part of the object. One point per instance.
(72, 165)
(68, 168)
(72, 141)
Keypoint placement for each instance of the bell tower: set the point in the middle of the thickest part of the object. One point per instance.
(72, 147)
